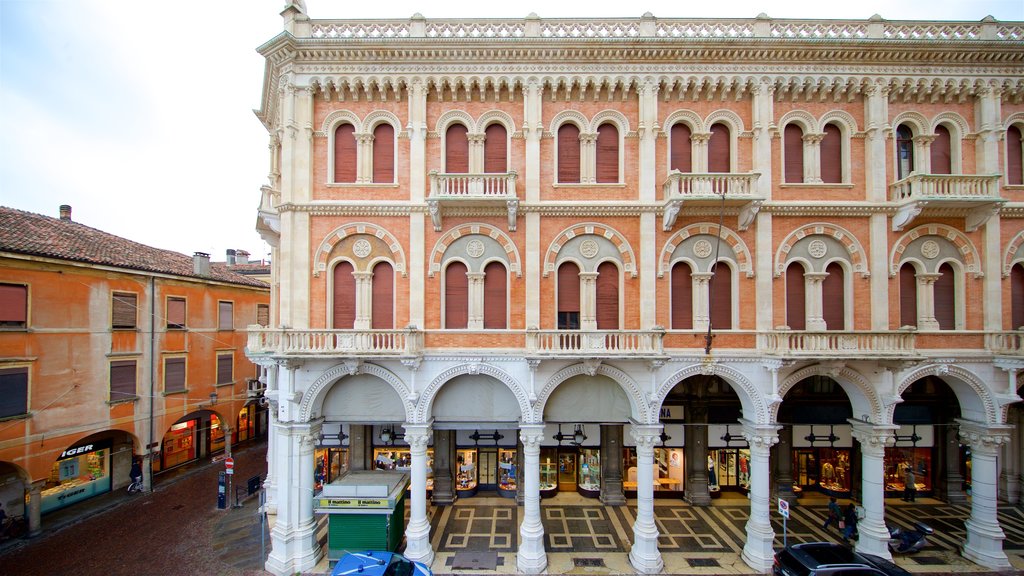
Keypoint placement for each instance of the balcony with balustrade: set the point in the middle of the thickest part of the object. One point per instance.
(631, 344)
(295, 343)
(846, 345)
(973, 196)
(736, 193)
(492, 192)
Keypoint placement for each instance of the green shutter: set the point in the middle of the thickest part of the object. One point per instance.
(356, 533)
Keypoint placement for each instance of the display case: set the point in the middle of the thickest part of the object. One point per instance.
(731, 468)
(898, 460)
(548, 472)
(328, 465)
(834, 471)
(669, 471)
(589, 483)
(466, 480)
(398, 458)
(507, 469)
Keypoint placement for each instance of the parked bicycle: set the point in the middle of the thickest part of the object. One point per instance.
(136, 486)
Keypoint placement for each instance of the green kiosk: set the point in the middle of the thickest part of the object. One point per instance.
(366, 511)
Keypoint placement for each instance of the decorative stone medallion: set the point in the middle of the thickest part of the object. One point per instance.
(817, 248)
(930, 249)
(362, 248)
(702, 248)
(475, 248)
(588, 248)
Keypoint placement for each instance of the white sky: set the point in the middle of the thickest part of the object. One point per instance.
(139, 115)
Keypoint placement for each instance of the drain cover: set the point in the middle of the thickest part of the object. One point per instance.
(702, 562)
(588, 562)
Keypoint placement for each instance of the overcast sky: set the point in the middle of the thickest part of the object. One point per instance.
(138, 113)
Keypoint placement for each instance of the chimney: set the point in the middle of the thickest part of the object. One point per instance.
(241, 257)
(65, 212)
(231, 256)
(201, 264)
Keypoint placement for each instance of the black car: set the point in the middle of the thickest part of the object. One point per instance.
(826, 558)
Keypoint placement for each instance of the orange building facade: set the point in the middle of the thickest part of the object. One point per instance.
(719, 262)
(113, 352)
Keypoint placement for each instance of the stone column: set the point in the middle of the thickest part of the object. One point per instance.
(783, 466)
(647, 180)
(588, 158)
(417, 533)
(611, 465)
(812, 158)
(364, 300)
(476, 300)
(644, 555)
(701, 313)
(417, 129)
(588, 300)
(444, 455)
(533, 129)
(759, 552)
(923, 154)
(697, 455)
(476, 153)
(926, 301)
(812, 302)
(952, 489)
(364, 152)
(531, 558)
(294, 543)
(699, 144)
(985, 537)
(35, 503)
(874, 536)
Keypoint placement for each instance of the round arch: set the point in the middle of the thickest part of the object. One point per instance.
(514, 261)
(613, 116)
(918, 123)
(426, 399)
(859, 390)
(313, 398)
(345, 230)
(977, 402)
(642, 411)
(848, 240)
(739, 248)
(688, 117)
(802, 118)
(574, 116)
(1010, 256)
(844, 120)
(755, 406)
(451, 117)
(965, 248)
(614, 236)
(338, 117)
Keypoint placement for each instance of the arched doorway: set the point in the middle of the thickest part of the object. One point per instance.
(193, 437)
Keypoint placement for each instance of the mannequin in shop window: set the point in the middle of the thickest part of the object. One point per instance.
(712, 478)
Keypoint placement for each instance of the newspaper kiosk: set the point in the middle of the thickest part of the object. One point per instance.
(366, 511)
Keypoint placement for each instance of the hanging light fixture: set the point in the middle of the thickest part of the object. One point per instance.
(578, 436)
(386, 434)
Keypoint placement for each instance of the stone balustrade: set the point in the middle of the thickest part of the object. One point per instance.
(683, 185)
(840, 344)
(298, 343)
(484, 186)
(945, 187)
(589, 343)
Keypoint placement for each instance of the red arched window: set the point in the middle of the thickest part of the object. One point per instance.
(384, 154)
(495, 149)
(568, 153)
(383, 308)
(495, 297)
(456, 296)
(719, 159)
(607, 165)
(904, 151)
(568, 297)
(681, 154)
(1014, 157)
(796, 302)
(682, 297)
(1017, 296)
(607, 296)
(832, 155)
(945, 298)
(793, 148)
(941, 152)
(344, 290)
(833, 301)
(720, 296)
(908, 296)
(456, 149)
(345, 154)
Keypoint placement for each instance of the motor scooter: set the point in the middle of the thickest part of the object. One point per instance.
(909, 541)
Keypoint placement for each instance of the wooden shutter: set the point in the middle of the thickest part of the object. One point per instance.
(383, 297)
(793, 147)
(225, 316)
(681, 153)
(1016, 296)
(568, 288)
(384, 154)
(456, 149)
(568, 153)
(833, 301)
(263, 314)
(908, 296)
(13, 304)
(607, 297)
(123, 310)
(607, 165)
(495, 296)
(225, 368)
(345, 154)
(1014, 157)
(495, 149)
(456, 296)
(344, 297)
(13, 391)
(832, 155)
(682, 297)
(174, 374)
(122, 380)
(945, 298)
(175, 312)
(942, 152)
(719, 159)
(796, 298)
(720, 296)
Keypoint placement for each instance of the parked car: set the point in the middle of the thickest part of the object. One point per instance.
(379, 563)
(828, 558)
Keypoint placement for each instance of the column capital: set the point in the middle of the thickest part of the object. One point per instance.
(646, 435)
(417, 436)
(984, 437)
(873, 438)
(762, 436)
(531, 435)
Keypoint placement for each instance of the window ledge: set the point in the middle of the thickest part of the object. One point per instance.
(798, 185)
(125, 400)
(24, 416)
(14, 329)
(362, 185)
(172, 393)
(124, 329)
(177, 329)
(589, 185)
(225, 384)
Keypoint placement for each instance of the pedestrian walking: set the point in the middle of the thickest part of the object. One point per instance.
(835, 513)
(850, 522)
(910, 487)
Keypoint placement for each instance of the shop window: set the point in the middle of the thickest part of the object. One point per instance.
(13, 392)
(681, 149)
(123, 374)
(216, 434)
(941, 156)
(682, 297)
(568, 153)
(179, 445)
(793, 148)
(1017, 297)
(607, 160)
(729, 468)
(719, 154)
(79, 473)
(669, 472)
(263, 315)
(590, 471)
(898, 460)
(456, 149)
(344, 302)
(607, 297)
(548, 470)
(945, 298)
(384, 154)
(831, 151)
(123, 312)
(174, 375)
(175, 313)
(466, 477)
(1014, 156)
(904, 151)
(13, 306)
(345, 156)
(456, 296)
(495, 296)
(720, 297)
(225, 315)
(383, 297)
(833, 300)
(796, 297)
(225, 368)
(908, 296)
(495, 149)
(568, 297)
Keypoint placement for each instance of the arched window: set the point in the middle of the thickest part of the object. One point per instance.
(682, 297)
(793, 148)
(904, 151)
(607, 297)
(908, 296)
(344, 303)
(681, 155)
(383, 297)
(568, 297)
(568, 153)
(1017, 296)
(941, 152)
(945, 298)
(384, 154)
(495, 149)
(832, 155)
(796, 301)
(456, 149)
(495, 297)
(345, 154)
(720, 296)
(456, 296)
(833, 300)
(1014, 157)
(719, 159)
(607, 165)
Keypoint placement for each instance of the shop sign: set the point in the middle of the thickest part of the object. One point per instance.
(354, 503)
(670, 412)
(76, 451)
